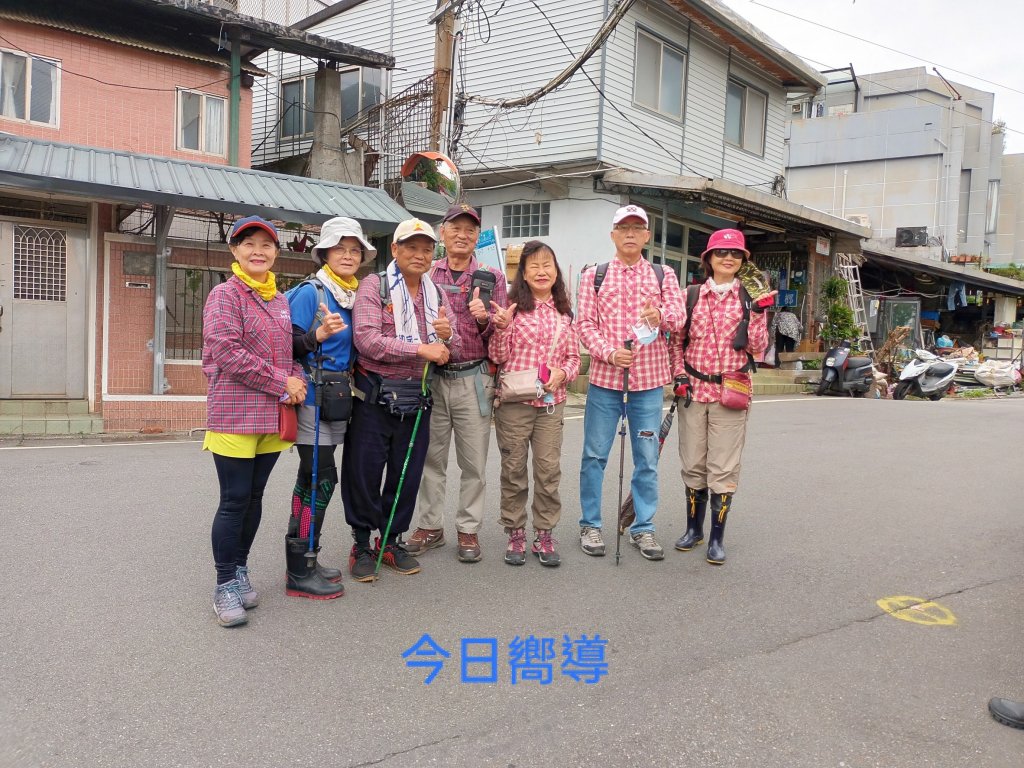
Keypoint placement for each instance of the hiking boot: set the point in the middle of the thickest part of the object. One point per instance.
(250, 599)
(361, 562)
(469, 548)
(544, 549)
(516, 552)
(591, 541)
(423, 539)
(227, 604)
(397, 559)
(648, 545)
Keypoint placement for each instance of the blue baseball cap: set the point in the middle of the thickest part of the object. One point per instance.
(255, 221)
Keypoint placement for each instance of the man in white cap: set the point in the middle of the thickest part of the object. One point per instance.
(400, 327)
(630, 304)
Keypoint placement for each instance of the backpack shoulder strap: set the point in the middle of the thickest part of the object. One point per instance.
(384, 289)
(659, 272)
(599, 273)
(692, 296)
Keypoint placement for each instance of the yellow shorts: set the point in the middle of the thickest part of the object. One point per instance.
(243, 446)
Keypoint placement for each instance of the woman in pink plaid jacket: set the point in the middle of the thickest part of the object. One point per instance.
(535, 333)
(711, 435)
(247, 359)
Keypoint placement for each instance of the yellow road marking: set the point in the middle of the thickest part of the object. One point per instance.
(917, 610)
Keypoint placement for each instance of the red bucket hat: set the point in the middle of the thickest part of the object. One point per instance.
(726, 240)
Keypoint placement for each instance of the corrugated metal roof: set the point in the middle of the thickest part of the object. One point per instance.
(425, 203)
(108, 175)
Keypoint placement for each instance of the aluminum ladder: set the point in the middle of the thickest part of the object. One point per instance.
(850, 271)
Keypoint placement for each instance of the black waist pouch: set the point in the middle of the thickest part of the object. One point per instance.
(403, 397)
(337, 396)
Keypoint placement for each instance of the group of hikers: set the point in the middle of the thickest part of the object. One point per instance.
(396, 365)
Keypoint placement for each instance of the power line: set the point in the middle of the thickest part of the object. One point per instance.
(886, 47)
(64, 70)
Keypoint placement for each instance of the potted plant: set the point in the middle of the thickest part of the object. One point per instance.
(839, 320)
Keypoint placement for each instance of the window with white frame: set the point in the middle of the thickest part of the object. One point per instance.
(297, 107)
(658, 75)
(29, 88)
(525, 219)
(201, 122)
(745, 109)
(360, 90)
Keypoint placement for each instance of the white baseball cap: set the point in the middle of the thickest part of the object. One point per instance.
(333, 230)
(629, 210)
(411, 228)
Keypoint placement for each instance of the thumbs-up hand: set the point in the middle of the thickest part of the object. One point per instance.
(650, 314)
(502, 317)
(331, 324)
(477, 308)
(442, 325)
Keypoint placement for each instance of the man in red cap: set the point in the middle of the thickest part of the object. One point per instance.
(463, 390)
(629, 305)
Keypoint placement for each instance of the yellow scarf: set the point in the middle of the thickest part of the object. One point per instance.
(267, 290)
(349, 285)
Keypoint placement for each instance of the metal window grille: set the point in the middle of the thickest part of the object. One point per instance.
(525, 219)
(40, 264)
(187, 289)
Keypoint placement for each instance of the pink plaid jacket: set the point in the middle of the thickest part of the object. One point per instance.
(247, 356)
(473, 339)
(527, 341)
(374, 323)
(711, 333)
(606, 320)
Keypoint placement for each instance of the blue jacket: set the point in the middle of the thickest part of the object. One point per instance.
(305, 304)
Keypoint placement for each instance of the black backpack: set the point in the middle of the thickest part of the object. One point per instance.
(602, 270)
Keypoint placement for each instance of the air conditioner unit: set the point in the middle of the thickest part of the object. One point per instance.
(796, 109)
(911, 237)
(860, 219)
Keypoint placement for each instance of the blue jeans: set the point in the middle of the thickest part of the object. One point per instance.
(600, 426)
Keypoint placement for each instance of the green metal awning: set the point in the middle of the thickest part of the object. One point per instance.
(123, 177)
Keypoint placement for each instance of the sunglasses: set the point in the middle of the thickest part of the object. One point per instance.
(721, 254)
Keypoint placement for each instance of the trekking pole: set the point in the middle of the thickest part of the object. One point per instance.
(628, 344)
(401, 477)
(317, 379)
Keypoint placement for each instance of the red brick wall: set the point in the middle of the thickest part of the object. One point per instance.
(130, 363)
(112, 117)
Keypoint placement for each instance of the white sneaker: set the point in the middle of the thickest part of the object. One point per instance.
(648, 545)
(591, 541)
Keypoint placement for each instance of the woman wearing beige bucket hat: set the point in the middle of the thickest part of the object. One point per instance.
(321, 310)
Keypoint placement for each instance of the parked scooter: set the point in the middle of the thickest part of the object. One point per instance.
(841, 373)
(927, 375)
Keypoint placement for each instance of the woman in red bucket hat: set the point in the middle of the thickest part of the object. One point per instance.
(710, 360)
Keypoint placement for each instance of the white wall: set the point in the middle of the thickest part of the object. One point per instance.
(580, 224)
(699, 141)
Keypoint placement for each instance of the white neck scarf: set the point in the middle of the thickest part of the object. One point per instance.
(406, 327)
(345, 298)
(721, 289)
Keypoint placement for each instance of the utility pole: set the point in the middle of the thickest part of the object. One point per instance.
(444, 41)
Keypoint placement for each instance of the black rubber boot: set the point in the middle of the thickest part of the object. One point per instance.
(721, 503)
(300, 503)
(696, 507)
(303, 579)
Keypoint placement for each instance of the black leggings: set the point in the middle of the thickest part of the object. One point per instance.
(242, 482)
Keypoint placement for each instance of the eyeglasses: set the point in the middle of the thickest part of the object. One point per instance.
(721, 254)
(634, 228)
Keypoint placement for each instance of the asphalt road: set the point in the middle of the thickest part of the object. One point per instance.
(111, 655)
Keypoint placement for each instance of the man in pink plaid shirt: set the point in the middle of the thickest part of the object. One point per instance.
(630, 305)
